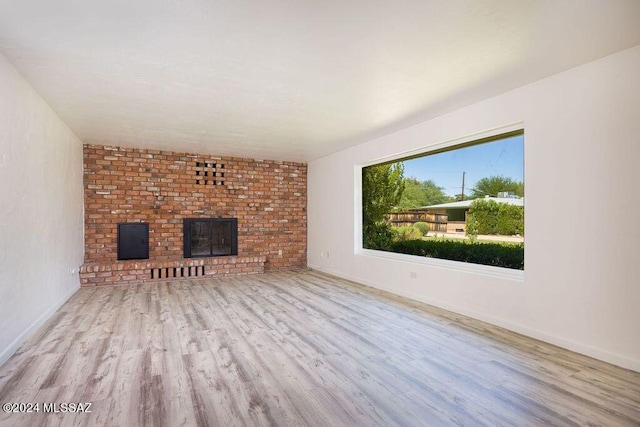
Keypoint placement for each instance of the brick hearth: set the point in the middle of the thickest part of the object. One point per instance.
(124, 272)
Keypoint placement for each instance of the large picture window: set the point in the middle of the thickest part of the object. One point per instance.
(461, 203)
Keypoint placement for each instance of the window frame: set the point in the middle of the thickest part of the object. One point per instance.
(468, 140)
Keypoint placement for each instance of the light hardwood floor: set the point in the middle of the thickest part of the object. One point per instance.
(294, 349)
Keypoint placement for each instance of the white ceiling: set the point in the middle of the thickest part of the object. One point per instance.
(291, 79)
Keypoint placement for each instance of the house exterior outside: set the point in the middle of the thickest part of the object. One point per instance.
(450, 218)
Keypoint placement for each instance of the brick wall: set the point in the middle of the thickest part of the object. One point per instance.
(269, 199)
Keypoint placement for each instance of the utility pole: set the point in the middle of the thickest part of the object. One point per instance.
(463, 174)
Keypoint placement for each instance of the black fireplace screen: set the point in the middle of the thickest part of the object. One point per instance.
(205, 237)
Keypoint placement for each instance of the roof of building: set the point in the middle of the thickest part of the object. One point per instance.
(465, 204)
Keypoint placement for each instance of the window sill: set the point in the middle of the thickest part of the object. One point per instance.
(485, 270)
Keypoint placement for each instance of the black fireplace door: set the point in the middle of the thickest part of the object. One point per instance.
(133, 240)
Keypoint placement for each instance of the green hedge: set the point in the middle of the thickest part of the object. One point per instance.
(495, 254)
(491, 217)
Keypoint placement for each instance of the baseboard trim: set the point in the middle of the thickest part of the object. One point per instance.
(8, 351)
(596, 353)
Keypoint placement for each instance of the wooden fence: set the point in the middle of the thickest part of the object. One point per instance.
(437, 221)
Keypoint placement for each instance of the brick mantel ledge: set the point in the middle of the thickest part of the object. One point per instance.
(140, 271)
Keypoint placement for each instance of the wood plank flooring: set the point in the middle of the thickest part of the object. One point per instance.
(296, 349)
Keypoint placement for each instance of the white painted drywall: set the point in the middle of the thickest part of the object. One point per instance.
(40, 210)
(581, 289)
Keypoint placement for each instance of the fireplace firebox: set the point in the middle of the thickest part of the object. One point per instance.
(208, 237)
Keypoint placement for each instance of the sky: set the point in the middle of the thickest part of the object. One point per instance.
(503, 157)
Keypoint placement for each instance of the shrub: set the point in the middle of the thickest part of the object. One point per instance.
(510, 220)
(377, 236)
(491, 217)
(401, 234)
(495, 254)
(472, 228)
(422, 226)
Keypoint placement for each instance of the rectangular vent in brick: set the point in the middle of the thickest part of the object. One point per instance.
(209, 173)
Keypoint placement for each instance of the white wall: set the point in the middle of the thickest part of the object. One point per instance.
(40, 210)
(581, 287)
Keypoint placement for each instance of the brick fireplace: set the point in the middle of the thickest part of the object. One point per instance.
(163, 189)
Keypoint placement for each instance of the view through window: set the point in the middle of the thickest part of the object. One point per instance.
(463, 203)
